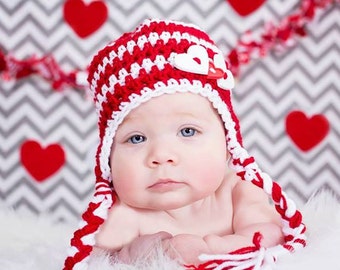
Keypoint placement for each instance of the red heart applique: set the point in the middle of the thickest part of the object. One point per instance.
(41, 162)
(214, 72)
(245, 7)
(306, 132)
(85, 18)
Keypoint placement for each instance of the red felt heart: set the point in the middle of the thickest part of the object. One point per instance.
(41, 162)
(245, 7)
(306, 132)
(214, 72)
(85, 18)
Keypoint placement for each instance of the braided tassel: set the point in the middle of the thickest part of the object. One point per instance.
(83, 239)
(247, 258)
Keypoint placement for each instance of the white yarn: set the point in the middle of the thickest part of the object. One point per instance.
(121, 50)
(263, 259)
(267, 183)
(291, 208)
(88, 240)
(130, 46)
(106, 203)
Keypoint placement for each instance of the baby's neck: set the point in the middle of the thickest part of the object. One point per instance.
(200, 218)
(194, 210)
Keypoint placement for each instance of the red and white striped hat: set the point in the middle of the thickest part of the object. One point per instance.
(164, 57)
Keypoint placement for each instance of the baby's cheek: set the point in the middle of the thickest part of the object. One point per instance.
(213, 170)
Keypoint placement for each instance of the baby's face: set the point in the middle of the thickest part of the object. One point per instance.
(169, 152)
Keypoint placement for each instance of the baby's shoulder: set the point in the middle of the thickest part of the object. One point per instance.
(239, 190)
(120, 227)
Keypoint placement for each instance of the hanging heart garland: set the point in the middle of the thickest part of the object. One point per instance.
(275, 37)
(247, 48)
(46, 67)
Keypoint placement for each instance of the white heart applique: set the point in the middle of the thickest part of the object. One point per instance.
(195, 60)
(227, 82)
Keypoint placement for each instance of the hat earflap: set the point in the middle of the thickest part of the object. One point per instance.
(84, 238)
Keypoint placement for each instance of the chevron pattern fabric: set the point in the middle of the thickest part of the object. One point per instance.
(304, 77)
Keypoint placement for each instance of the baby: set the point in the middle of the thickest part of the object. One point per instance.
(170, 163)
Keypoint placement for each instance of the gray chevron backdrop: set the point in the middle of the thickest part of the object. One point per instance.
(305, 77)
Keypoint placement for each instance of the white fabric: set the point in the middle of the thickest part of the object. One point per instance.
(32, 243)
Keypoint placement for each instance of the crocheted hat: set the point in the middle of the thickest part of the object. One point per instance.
(162, 57)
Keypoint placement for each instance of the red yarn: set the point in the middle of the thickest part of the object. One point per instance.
(92, 224)
(211, 264)
(3, 64)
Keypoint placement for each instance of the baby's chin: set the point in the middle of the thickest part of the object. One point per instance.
(179, 199)
(174, 204)
(160, 205)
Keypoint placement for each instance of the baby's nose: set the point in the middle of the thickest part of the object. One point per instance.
(162, 154)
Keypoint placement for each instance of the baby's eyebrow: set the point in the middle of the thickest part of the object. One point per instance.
(186, 114)
(129, 117)
(194, 115)
(176, 114)
(132, 118)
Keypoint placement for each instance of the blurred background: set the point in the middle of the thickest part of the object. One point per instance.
(278, 96)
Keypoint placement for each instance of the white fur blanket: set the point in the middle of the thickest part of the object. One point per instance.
(28, 243)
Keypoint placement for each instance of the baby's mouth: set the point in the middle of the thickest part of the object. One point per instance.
(163, 185)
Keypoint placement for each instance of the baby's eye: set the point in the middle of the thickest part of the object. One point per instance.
(188, 132)
(135, 139)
